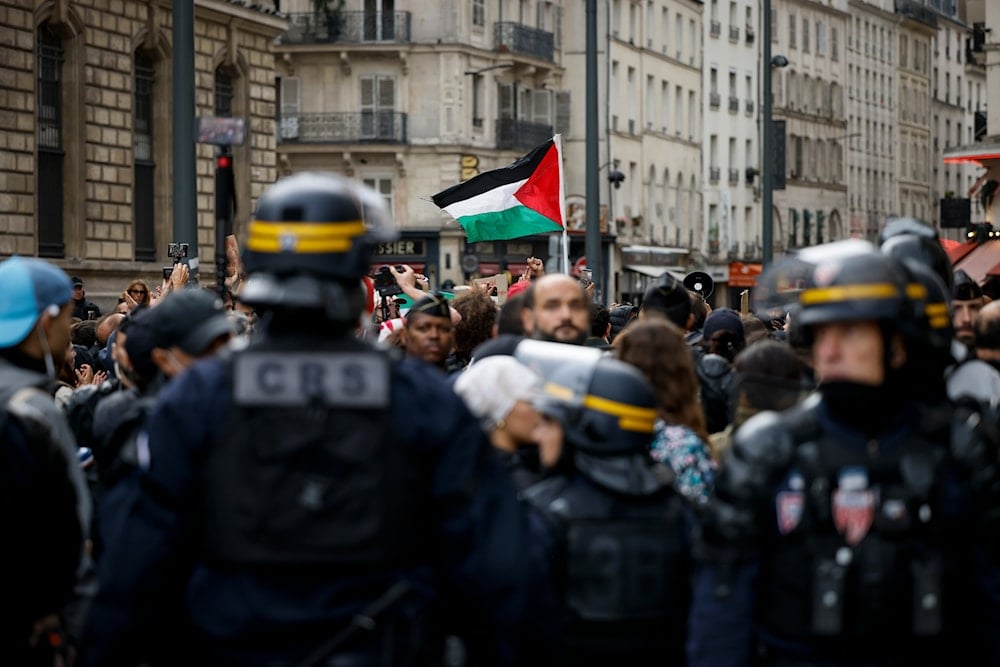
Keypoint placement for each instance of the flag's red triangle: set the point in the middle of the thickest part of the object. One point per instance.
(541, 191)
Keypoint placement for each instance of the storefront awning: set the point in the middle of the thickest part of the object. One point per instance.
(655, 271)
(958, 251)
(981, 261)
(974, 153)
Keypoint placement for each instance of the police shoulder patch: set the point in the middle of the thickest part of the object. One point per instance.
(287, 379)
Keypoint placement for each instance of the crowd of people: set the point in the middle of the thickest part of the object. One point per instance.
(306, 473)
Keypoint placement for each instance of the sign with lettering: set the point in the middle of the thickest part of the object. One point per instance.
(403, 247)
(285, 379)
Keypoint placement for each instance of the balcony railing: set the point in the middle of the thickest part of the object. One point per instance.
(713, 100)
(714, 28)
(713, 174)
(748, 107)
(346, 127)
(734, 176)
(347, 27)
(522, 39)
(520, 134)
(734, 104)
(749, 34)
(734, 34)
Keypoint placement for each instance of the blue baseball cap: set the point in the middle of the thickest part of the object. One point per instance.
(29, 287)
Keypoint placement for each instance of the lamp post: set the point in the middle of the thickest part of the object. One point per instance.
(592, 244)
(767, 169)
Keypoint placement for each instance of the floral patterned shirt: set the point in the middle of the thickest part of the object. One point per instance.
(689, 457)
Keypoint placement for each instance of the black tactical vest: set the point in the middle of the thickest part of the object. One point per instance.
(310, 470)
(868, 565)
(622, 569)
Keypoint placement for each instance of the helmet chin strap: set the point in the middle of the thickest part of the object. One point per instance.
(50, 366)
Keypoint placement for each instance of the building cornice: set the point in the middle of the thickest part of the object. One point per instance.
(826, 9)
(249, 18)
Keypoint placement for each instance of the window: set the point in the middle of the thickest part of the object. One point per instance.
(616, 17)
(774, 25)
(223, 92)
(633, 23)
(650, 23)
(665, 27)
(834, 45)
(49, 184)
(383, 186)
(679, 35)
(820, 38)
(713, 79)
(143, 201)
(650, 101)
(631, 95)
(792, 26)
(805, 35)
(692, 116)
(678, 109)
(479, 13)
(378, 107)
(477, 101)
(288, 108)
(664, 105)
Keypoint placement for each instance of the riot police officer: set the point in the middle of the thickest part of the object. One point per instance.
(854, 528)
(310, 499)
(616, 531)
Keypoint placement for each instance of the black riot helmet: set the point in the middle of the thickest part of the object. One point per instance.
(931, 327)
(311, 237)
(607, 409)
(906, 238)
(869, 286)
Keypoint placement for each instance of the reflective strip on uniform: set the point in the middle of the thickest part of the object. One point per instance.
(303, 237)
(839, 293)
(558, 391)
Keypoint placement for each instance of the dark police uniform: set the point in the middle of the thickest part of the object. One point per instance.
(829, 543)
(310, 497)
(615, 530)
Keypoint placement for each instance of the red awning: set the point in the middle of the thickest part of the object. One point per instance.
(981, 261)
(743, 274)
(957, 251)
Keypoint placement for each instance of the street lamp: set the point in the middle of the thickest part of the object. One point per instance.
(767, 169)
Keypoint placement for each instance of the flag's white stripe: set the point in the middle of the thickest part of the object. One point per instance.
(498, 199)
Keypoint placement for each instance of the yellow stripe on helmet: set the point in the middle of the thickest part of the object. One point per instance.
(303, 237)
(837, 293)
(558, 391)
(916, 291)
(630, 417)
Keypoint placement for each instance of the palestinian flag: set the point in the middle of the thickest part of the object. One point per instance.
(520, 199)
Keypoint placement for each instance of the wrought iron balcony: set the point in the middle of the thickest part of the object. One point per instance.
(345, 127)
(734, 34)
(713, 100)
(714, 28)
(713, 174)
(748, 106)
(522, 39)
(734, 104)
(347, 27)
(520, 134)
(734, 176)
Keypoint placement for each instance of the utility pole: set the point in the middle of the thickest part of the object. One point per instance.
(184, 192)
(767, 168)
(593, 237)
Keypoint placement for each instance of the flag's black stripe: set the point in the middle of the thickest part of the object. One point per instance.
(489, 180)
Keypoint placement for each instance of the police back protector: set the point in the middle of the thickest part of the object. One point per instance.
(307, 471)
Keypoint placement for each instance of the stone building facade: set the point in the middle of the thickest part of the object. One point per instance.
(86, 130)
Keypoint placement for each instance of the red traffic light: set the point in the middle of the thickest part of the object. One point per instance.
(224, 162)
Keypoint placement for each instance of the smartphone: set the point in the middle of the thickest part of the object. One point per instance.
(586, 277)
(167, 272)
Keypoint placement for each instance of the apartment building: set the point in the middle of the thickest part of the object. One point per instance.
(809, 100)
(731, 150)
(86, 163)
(871, 116)
(918, 24)
(649, 63)
(958, 81)
(413, 97)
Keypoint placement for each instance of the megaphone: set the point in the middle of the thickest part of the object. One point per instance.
(700, 282)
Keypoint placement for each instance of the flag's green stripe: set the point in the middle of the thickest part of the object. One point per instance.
(511, 223)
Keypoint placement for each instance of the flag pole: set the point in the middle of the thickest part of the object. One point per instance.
(562, 204)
